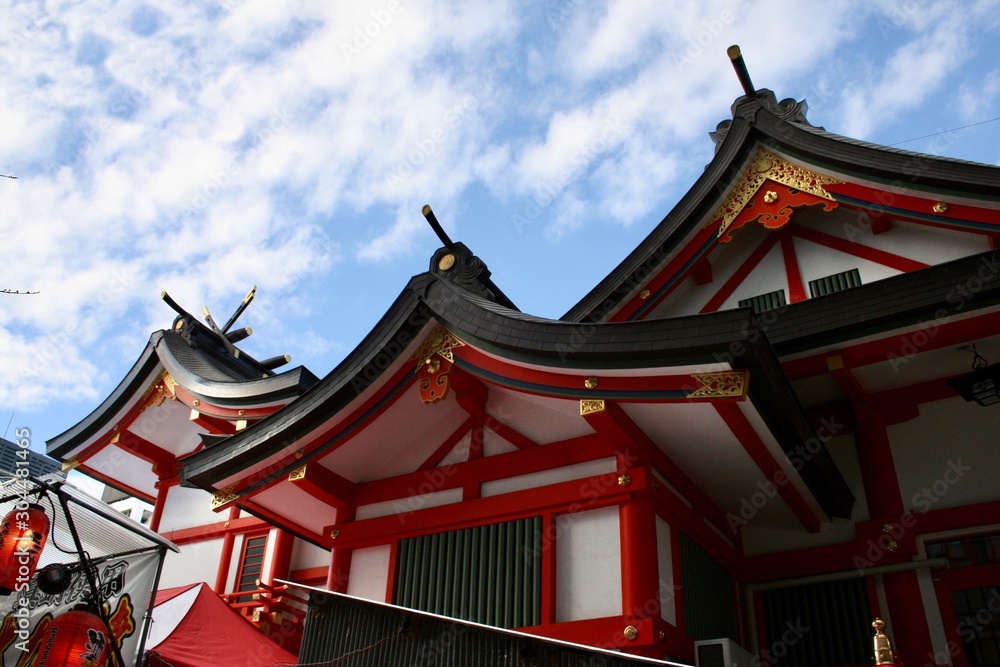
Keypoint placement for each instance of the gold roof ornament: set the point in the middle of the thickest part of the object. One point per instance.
(883, 648)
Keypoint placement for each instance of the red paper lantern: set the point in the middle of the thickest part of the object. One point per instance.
(22, 537)
(76, 638)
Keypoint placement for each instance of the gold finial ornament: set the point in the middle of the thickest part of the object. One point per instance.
(883, 649)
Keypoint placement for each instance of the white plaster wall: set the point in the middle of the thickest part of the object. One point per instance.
(546, 477)
(948, 456)
(369, 577)
(665, 561)
(404, 506)
(930, 245)
(588, 565)
(306, 555)
(768, 276)
(818, 261)
(196, 562)
(186, 508)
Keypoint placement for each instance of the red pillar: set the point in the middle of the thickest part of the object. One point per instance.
(227, 552)
(162, 488)
(340, 558)
(910, 632)
(281, 559)
(640, 577)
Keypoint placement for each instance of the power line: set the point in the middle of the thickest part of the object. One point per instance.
(954, 129)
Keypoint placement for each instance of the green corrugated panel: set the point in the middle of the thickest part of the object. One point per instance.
(835, 283)
(825, 624)
(762, 302)
(489, 574)
(709, 609)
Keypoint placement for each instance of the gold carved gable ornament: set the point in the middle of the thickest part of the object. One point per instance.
(435, 360)
(768, 190)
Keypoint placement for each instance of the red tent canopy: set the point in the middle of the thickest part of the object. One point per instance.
(193, 627)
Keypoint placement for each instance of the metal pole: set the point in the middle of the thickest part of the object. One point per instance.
(88, 571)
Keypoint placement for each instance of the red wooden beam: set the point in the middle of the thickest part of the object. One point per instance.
(701, 271)
(500, 466)
(324, 485)
(213, 425)
(892, 260)
(617, 427)
(565, 497)
(688, 256)
(445, 447)
(899, 348)
(329, 437)
(164, 463)
(796, 290)
(762, 457)
(740, 274)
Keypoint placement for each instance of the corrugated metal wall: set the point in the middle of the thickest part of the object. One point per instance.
(835, 283)
(352, 633)
(709, 605)
(820, 625)
(489, 574)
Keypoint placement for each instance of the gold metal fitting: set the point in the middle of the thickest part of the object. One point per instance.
(196, 402)
(883, 648)
(590, 383)
(299, 453)
(887, 527)
(892, 546)
(940, 207)
(644, 294)
(241, 413)
(663, 635)
(770, 197)
(335, 533)
(631, 632)
(624, 479)
(446, 262)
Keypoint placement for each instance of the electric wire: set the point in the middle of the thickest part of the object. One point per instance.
(935, 134)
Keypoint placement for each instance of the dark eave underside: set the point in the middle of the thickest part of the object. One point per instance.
(952, 289)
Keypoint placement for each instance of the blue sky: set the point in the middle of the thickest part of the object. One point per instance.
(205, 147)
